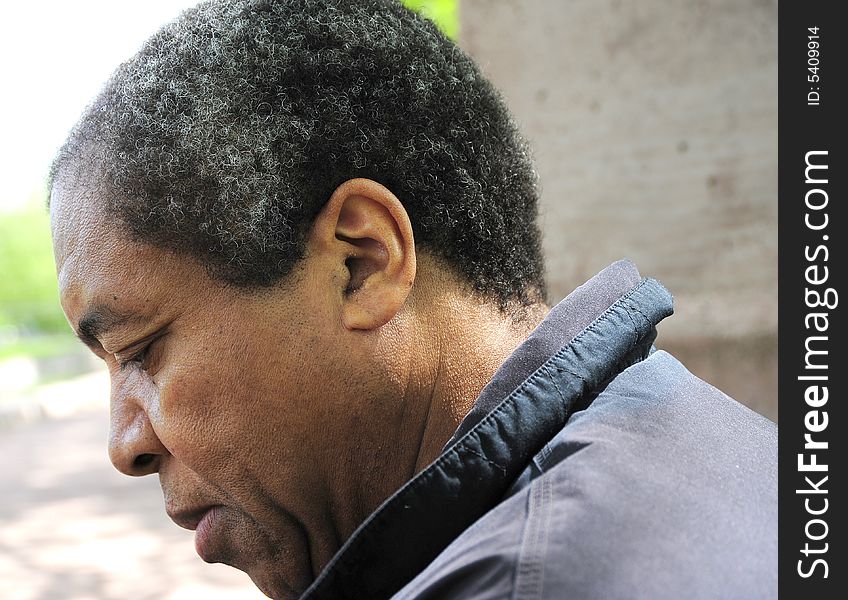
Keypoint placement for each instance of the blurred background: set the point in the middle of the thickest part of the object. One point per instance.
(654, 126)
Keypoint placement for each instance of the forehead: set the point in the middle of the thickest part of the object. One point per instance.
(97, 262)
(101, 267)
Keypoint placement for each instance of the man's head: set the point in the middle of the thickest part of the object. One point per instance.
(228, 132)
(293, 232)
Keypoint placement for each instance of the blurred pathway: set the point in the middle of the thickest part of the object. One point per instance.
(71, 527)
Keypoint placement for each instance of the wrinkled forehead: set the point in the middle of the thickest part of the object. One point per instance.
(75, 216)
(95, 257)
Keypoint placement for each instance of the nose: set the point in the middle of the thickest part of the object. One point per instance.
(134, 447)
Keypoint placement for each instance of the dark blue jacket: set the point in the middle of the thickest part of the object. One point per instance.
(591, 466)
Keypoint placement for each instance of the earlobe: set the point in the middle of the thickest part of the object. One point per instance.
(365, 230)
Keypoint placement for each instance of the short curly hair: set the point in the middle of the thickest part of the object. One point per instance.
(228, 131)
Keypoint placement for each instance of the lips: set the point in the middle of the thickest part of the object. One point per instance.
(202, 521)
(204, 531)
(190, 518)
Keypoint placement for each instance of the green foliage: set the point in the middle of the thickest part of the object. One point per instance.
(29, 301)
(41, 346)
(445, 13)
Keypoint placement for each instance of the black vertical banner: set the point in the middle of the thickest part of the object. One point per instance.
(813, 223)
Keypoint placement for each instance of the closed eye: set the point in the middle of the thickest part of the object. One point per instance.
(140, 354)
(136, 358)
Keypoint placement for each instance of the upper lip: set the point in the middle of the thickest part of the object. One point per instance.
(188, 518)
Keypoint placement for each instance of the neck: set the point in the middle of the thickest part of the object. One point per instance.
(439, 354)
(474, 341)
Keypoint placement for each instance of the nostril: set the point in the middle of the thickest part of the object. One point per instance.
(142, 461)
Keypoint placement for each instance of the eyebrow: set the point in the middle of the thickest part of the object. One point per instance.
(98, 321)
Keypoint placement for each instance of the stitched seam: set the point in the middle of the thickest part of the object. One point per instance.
(635, 308)
(530, 572)
(570, 372)
(487, 459)
(553, 380)
(516, 567)
(629, 313)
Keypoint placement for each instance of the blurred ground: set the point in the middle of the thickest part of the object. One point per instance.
(73, 528)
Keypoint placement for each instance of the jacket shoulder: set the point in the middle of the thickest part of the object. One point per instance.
(664, 487)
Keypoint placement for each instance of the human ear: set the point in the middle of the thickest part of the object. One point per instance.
(365, 230)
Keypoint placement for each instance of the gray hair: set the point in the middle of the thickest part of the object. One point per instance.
(229, 130)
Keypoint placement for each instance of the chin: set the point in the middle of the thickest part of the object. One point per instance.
(271, 564)
(273, 586)
(268, 576)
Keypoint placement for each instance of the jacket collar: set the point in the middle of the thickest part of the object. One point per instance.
(598, 330)
(563, 323)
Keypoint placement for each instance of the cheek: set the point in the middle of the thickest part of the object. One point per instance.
(200, 378)
(245, 396)
(230, 411)
(198, 418)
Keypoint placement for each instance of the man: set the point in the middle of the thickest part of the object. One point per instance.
(302, 237)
